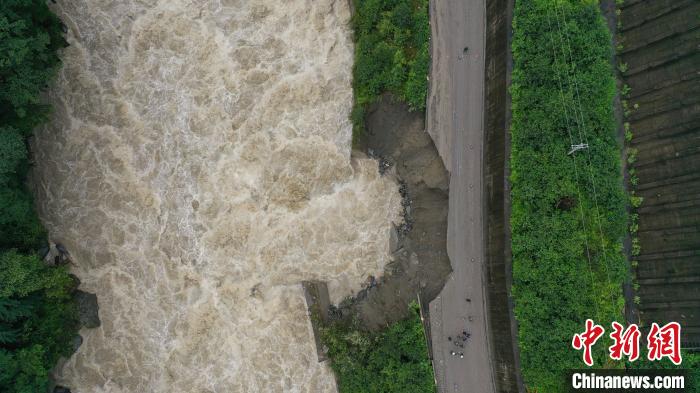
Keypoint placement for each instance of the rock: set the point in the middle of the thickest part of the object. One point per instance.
(255, 291)
(52, 256)
(88, 309)
(44, 251)
(370, 282)
(77, 342)
(394, 244)
(61, 249)
(57, 254)
(61, 389)
(75, 282)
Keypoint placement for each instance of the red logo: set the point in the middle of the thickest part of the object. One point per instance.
(626, 343)
(665, 342)
(587, 339)
(662, 342)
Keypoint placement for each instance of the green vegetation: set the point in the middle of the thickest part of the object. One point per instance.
(37, 315)
(37, 321)
(392, 53)
(394, 360)
(568, 211)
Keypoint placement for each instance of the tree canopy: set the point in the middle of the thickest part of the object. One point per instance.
(568, 214)
(37, 315)
(392, 53)
(393, 360)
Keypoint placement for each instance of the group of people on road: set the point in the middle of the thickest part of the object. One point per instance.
(462, 338)
(459, 341)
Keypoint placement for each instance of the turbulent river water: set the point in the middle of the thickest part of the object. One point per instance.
(198, 167)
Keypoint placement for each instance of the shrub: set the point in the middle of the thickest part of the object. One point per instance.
(636, 201)
(394, 360)
(634, 227)
(567, 265)
(38, 320)
(636, 247)
(391, 53)
(625, 92)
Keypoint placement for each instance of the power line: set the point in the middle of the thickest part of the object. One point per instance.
(581, 125)
(578, 189)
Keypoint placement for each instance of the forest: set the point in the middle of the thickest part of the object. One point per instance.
(568, 215)
(394, 360)
(38, 318)
(392, 54)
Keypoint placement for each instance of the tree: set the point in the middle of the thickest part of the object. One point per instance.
(38, 318)
(30, 36)
(393, 360)
(391, 54)
(11, 311)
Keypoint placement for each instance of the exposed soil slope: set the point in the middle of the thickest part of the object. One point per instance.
(420, 265)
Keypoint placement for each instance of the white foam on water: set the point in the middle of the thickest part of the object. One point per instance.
(198, 167)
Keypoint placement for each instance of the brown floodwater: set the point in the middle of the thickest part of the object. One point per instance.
(198, 167)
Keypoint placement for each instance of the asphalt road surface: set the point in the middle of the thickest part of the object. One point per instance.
(456, 123)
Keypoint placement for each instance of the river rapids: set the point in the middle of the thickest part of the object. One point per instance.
(198, 167)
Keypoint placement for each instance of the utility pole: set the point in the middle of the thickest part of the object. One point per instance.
(575, 148)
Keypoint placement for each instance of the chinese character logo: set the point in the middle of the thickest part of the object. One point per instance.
(662, 342)
(587, 339)
(665, 342)
(624, 343)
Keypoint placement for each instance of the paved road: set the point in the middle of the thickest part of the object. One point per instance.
(456, 123)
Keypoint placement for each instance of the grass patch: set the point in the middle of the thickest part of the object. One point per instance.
(392, 54)
(568, 211)
(393, 360)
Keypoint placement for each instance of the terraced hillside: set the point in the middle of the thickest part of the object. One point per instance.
(660, 40)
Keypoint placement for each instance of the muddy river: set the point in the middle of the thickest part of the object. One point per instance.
(198, 166)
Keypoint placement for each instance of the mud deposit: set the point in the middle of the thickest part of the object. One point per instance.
(421, 265)
(198, 167)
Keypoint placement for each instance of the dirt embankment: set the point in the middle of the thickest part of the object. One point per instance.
(398, 139)
(660, 40)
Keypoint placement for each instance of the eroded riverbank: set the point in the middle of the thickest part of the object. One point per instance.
(420, 266)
